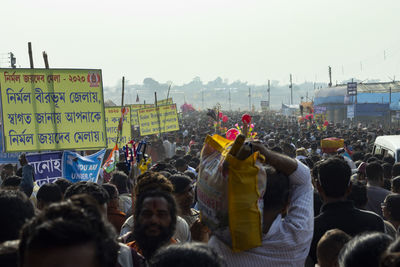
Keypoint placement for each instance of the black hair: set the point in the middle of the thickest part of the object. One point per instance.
(11, 181)
(358, 194)
(111, 190)
(180, 182)
(393, 206)
(70, 223)
(90, 188)
(334, 176)
(364, 250)
(387, 170)
(15, 210)
(389, 159)
(188, 254)
(187, 158)
(190, 174)
(63, 184)
(120, 180)
(123, 167)
(357, 156)
(277, 149)
(374, 172)
(277, 191)
(165, 173)
(149, 181)
(373, 159)
(396, 183)
(396, 169)
(49, 193)
(180, 162)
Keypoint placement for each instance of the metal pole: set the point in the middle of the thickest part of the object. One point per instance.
(30, 54)
(46, 61)
(123, 89)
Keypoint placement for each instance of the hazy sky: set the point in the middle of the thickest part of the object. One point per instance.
(177, 40)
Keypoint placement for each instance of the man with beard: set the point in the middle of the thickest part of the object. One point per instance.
(155, 221)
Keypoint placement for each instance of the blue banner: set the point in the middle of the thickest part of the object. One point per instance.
(77, 168)
(46, 166)
(6, 157)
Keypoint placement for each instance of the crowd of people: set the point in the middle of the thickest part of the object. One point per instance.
(319, 209)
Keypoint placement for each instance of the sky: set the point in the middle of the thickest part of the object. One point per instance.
(173, 40)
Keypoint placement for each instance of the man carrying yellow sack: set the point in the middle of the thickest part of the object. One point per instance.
(287, 215)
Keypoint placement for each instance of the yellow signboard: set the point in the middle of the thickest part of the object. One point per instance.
(164, 101)
(52, 109)
(113, 115)
(134, 109)
(152, 123)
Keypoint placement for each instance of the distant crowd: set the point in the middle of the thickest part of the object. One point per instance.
(340, 208)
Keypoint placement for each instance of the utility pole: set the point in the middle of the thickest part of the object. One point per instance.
(291, 90)
(330, 76)
(30, 54)
(269, 95)
(249, 99)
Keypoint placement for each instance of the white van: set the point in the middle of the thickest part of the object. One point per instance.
(387, 145)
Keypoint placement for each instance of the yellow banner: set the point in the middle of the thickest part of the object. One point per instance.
(134, 109)
(164, 101)
(150, 122)
(52, 109)
(113, 115)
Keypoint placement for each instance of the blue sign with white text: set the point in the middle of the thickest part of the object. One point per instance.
(46, 166)
(77, 168)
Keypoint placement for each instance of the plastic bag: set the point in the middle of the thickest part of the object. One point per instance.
(230, 193)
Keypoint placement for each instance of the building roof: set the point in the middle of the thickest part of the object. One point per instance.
(341, 89)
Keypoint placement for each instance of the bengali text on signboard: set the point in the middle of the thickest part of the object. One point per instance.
(52, 109)
(113, 115)
(152, 123)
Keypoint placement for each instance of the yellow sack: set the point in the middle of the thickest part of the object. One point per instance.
(230, 194)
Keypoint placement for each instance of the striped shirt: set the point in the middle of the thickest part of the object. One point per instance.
(288, 240)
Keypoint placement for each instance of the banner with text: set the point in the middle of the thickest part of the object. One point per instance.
(77, 168)
(164, 101)
(134, 114)
(158, 120)
(46, 166)
(113, 115)
(52, 109)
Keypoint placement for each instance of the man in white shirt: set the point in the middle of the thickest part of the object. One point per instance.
(286, 240)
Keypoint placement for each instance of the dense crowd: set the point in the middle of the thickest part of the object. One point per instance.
(336, 209)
